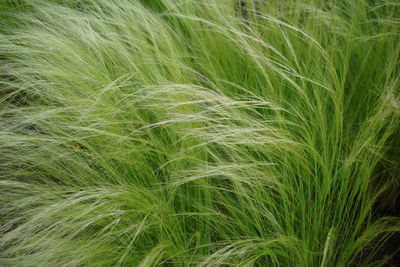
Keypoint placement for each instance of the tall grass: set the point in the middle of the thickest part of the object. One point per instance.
(209, 133)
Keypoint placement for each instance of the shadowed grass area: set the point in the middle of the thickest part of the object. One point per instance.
(198, 133)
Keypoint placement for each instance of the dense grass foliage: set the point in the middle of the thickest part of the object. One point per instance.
(209, 133)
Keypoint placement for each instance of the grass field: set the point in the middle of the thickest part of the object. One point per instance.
(199, 133)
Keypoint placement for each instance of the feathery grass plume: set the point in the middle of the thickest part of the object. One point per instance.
(209, 133)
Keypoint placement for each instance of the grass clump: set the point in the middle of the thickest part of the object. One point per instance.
(209, 133)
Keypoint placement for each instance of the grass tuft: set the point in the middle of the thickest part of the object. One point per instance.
(198, 133)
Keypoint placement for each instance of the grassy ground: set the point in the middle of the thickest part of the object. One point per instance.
(209, 133)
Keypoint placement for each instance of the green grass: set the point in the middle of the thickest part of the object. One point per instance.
(198, 133)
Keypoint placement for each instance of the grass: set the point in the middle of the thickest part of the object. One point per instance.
(198, 133)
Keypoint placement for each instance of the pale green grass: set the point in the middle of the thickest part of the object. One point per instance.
(209, 133)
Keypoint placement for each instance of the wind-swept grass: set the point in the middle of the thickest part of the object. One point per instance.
(209, 133)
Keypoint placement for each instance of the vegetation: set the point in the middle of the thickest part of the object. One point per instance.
(198, 133)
